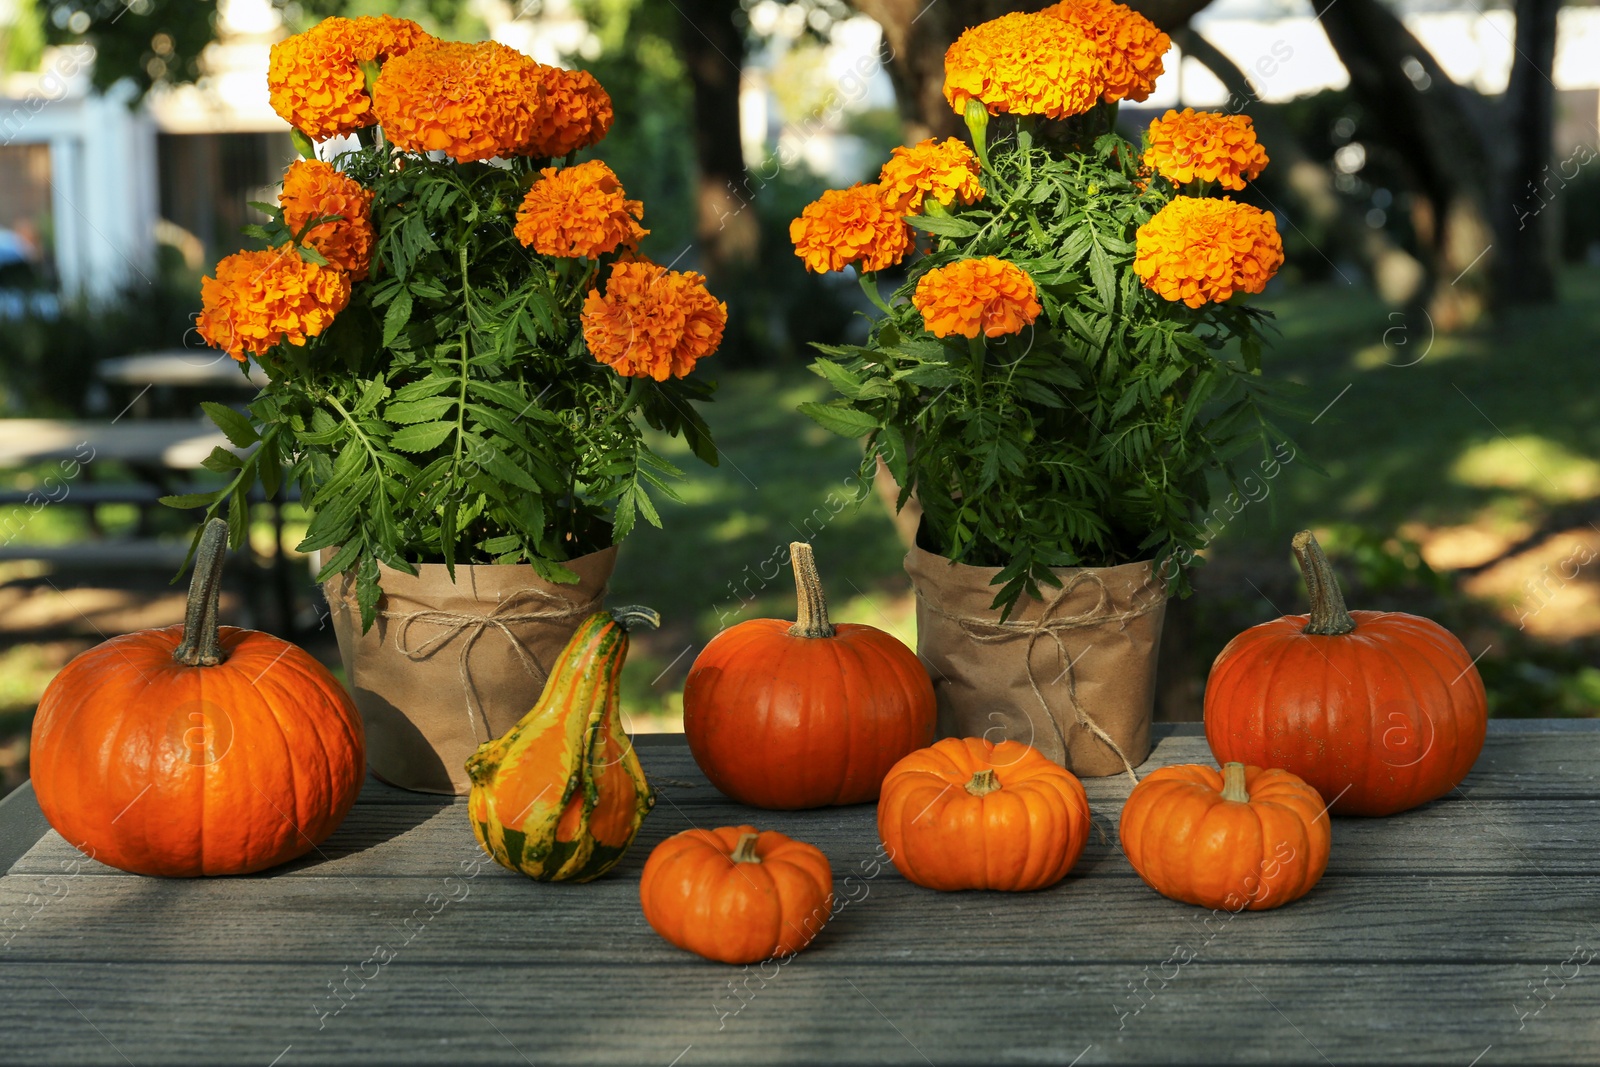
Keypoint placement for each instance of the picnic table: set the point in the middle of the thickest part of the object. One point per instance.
(1463, 933)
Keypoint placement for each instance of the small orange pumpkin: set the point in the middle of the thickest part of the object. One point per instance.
(1242, 838)
(804, 715)
(197, 749)
(969, 814)
(736, 894)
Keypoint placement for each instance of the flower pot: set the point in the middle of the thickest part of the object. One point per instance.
(1072, 673)
(450, 665)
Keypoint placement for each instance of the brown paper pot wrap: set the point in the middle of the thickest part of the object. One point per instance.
(450, 665)
(1072, 674)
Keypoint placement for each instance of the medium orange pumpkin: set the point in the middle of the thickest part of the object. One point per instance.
(736, 894)
(1242, 838)
(970, 814)
(1378, 711)
(196, 749)
(808, 714)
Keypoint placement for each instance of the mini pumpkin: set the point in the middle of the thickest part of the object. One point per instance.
(197, 749)
(1378, 710)
(808, 714)
(966, 813)
(1235, 839)
(560, 797)
(736, 894)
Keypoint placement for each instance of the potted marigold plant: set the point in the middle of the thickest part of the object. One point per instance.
(463, 350)
(1064, 365)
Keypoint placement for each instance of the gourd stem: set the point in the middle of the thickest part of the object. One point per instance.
(201, 643)
(633, 616)
(1328, 613)
(1233, 783)
(983, 783)
(745, 850)
(812, 618)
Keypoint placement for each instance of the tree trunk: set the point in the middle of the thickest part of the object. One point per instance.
(917, 32)
(1440, 129)
(1396, 274)
(1526, 273)
(713, 51)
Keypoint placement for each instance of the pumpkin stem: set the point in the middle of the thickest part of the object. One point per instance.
(632, 616)
(812, 618)
(745, 850)
(1328, 614)
(983, 783)
(201, 644)
(1233, 783)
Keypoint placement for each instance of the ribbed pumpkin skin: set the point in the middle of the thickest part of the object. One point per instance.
(1025, 835)
(158, 768)
(1386, 717)
(779, 721)
(696, 897)
(1190, 844)
(562, 795)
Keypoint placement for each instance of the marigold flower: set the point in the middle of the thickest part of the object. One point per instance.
(947, 172)
(578, 113)
(313, 189)
(1130, 46)
(970, 295)
(579, 211)
(1206, 146)
(259, 299)
(652, 322)
(1197, 249)
(844, 226)
(1024, 64)
(470, 101)
(314, 78)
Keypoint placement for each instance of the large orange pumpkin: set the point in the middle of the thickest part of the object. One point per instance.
(1378, 711)
(196, 749)
(736, 894)
(970, 814)
(808, 714)
(1244, 838)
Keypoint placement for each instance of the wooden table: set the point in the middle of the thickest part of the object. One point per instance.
(165, 444)
(1462, 933)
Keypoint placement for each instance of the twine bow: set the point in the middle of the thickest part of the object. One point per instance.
(988, 630)
(469, 626)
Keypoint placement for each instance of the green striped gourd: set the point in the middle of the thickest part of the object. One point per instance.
(560, 797)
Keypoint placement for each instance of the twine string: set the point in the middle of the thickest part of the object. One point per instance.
(989, 630)
(471, 625)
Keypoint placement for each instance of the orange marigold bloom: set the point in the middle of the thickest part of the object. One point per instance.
(1198, 249)
(1206, 146)
(652, 322)
(470, 101)
(579, 211)
(259, 299)
(1024, 64)
(947, 172)
(855, 225)
(1130, 46)
(313, 189)
(970, 295)
(578, 113)
(314, 78)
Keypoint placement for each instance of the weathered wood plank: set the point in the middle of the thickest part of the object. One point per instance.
(498, 917)
(1458, 834)
(805, 1013)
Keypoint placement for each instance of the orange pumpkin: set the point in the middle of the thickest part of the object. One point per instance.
(736, 894)
(969, 814)
(808, 714)
(1379, 711)
(1242, 838)
(196, 749)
